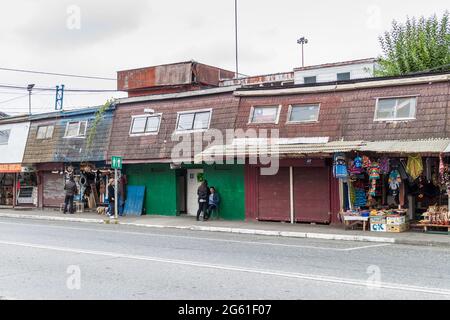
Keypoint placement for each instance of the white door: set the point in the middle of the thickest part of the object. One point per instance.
(192, 186)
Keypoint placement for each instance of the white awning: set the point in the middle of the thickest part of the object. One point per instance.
(408, 146)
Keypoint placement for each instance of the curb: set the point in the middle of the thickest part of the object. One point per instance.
(287, 234)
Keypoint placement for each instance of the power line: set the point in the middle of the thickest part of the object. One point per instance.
(12, 99)
(52, 89)
(58, 74)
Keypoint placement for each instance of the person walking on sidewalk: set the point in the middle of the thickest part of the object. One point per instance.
(203, 194)
(111, 197)
(71, 190)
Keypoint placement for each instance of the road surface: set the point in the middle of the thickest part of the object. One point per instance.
(66, 260)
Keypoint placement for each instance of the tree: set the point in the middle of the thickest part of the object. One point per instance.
(419, 45)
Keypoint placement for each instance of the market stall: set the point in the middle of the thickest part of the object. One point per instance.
(387, 193)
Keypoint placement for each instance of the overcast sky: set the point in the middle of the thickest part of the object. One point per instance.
(107, 36)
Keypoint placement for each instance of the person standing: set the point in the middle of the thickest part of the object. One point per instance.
(111, 197)
(71, 190)
(203, 194)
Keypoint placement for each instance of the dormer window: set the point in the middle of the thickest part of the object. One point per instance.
(145, 124)
(396, 109)
(76, 129)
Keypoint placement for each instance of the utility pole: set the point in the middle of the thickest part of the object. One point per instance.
(29, 88)
(236, 36)
(302, 41)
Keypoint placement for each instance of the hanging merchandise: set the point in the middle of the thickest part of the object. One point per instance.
(366, 162)
(339, 166)
(356, 166)
(374, 171)
(360, 198)
(394, 182)
(384, 165)
(373, 188)
(415, 166)
(441, 168)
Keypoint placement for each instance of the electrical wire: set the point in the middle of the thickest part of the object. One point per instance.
(57, 74)
(12, 99)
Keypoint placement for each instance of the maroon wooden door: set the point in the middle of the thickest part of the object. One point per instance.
(53, 189)
(312, 194)
(273, 196)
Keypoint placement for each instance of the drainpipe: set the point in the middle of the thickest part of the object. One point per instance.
(291, 185)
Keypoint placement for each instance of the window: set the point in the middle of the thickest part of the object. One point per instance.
(4, 136)
(343, 76)
(76, 129)
(396, 108)
(310, 80)
(304, 113)
(145, 124)
(196, 120)
(266, 114)
(44, 132)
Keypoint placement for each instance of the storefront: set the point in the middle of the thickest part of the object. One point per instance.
(300, 191)
(405, 187)
(8, 175)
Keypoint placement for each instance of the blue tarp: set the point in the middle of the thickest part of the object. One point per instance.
(135, 201)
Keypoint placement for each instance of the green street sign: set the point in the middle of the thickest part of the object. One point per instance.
(116, 162)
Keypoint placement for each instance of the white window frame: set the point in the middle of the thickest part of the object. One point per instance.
(310, 83)
(9, 136)
(291, 106)
(153, 115)
(79, 136)
(210, 110)
(396, 105)
(46, 131)
(252, 111)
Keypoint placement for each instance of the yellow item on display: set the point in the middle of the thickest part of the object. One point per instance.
(415, 166)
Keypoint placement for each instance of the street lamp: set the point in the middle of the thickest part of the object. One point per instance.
(29, 88)
(302, 41)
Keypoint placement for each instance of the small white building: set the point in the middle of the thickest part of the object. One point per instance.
(339, 71)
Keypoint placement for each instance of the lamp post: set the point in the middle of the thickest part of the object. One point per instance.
(236, 37)
(302, 41)
(29, 88)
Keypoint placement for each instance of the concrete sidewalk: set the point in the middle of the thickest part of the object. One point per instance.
(334, 232)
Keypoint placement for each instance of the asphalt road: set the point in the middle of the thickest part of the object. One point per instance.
(55, 260)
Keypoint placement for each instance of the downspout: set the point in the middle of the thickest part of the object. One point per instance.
(291, 186)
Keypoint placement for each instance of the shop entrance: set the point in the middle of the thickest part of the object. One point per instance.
(191, 190)
(274, 196)
(312, 194)
(7, 189)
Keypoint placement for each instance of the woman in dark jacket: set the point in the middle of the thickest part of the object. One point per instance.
(203, 194)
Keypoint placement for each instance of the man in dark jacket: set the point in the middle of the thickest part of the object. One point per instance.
(203, 194)
(71, 190)
(111, 197)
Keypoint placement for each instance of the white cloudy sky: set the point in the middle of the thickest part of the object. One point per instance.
(117, 35)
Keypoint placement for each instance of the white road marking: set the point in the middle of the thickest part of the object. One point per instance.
(310, 277)
(201, 238)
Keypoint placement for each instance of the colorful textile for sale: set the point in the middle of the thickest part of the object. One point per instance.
(415, 166)
(340, 166)
(366, 162)
(394, 182)
(360, 198)
(374, 171)
(384, 165)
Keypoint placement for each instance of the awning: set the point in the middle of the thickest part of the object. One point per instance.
(10, 168)
(408, 146)
(267, 149)
(240, 150)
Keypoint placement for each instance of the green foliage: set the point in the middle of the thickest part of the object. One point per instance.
(418, 45)
(97, 119)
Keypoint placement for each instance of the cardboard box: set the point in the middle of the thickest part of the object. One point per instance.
(397, 227)
(378, 227)
(396, 220)
(378, 219)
